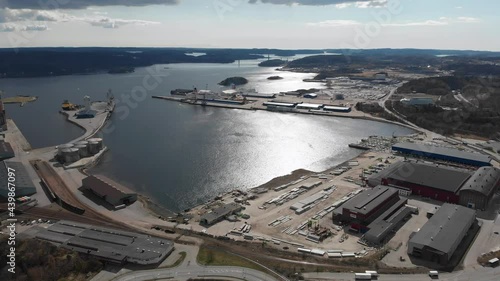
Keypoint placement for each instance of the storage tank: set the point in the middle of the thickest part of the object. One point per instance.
(62, 147)
(81, 143)
(98, 141)
(70, 155)
(93, 147)
(83, 150)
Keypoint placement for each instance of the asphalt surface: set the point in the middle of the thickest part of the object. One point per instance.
(481, 274)
(184, 273)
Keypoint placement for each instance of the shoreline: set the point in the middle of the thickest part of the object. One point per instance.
(157, 209)
(366, 116)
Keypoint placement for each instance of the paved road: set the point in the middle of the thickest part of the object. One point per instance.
(186, 272)
(481, 274)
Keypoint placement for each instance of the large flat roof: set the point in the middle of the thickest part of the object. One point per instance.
(220, 212)
(6, 150)
(366, 201)
(444, 228)
(430, 175)
(104, 186)
(444, 151)
(111, 244)
(23, 183)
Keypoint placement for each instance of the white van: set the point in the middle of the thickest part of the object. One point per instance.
(433, 274)
(374, 274)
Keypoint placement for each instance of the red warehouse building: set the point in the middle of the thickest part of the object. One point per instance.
(428, 180)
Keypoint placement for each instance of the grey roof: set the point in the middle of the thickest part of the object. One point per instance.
(6, 150)
(221, 212)
(103, 186)
(444, 151)
(444, 228)
(24, 184)
(484, 180)
(382, 226)
(366, 201)
(434, 176)
(107, 243)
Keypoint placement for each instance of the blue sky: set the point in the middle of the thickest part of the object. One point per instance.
(287, 24)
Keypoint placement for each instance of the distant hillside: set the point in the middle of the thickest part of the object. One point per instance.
(473, 109)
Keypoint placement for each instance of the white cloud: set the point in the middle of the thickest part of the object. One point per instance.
(113, 23)
(440, 22)
(468, 19)
(334, 23)
(419, 23)
(13, 15)
(458, 7)
(371, 4)
(32, 20)
(343, 5)
(22, 27)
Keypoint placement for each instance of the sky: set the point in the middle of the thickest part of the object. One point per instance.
(284, 24)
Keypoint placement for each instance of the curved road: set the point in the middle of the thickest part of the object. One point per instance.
(193, 271)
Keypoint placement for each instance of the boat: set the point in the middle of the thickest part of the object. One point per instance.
(66, 105)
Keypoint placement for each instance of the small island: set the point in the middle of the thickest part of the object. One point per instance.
(274, 78)
(275, 62)
(233, 81)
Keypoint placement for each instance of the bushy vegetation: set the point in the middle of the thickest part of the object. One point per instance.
(39, 261)
(479, 115)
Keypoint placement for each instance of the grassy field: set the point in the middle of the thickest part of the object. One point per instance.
(210, 256)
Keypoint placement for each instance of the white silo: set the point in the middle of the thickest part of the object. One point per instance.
(62, 147)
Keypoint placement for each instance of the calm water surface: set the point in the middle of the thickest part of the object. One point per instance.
(182, 155)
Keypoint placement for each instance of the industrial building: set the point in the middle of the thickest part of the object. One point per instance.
(438, 239)
(417, 101)
(344, 109)
(22, 182)
(389, 221)
(368, 205)
(107, 244)
(272, 104)
(473, 189)
(443, 154)
(428, 180)
(6, 151)
(220, 213)
(108, 190)
(309, 106)
(477, 192)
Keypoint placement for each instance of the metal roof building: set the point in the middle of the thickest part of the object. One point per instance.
(337, 108)
(428, 180)
(110, 191)
(443, 153)
(106, 243)
(220, 213)
(479, 189)
(6, 151)
(438, 239)
(309, 106)
(390, 220)
(365, 207)
(21, 180)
